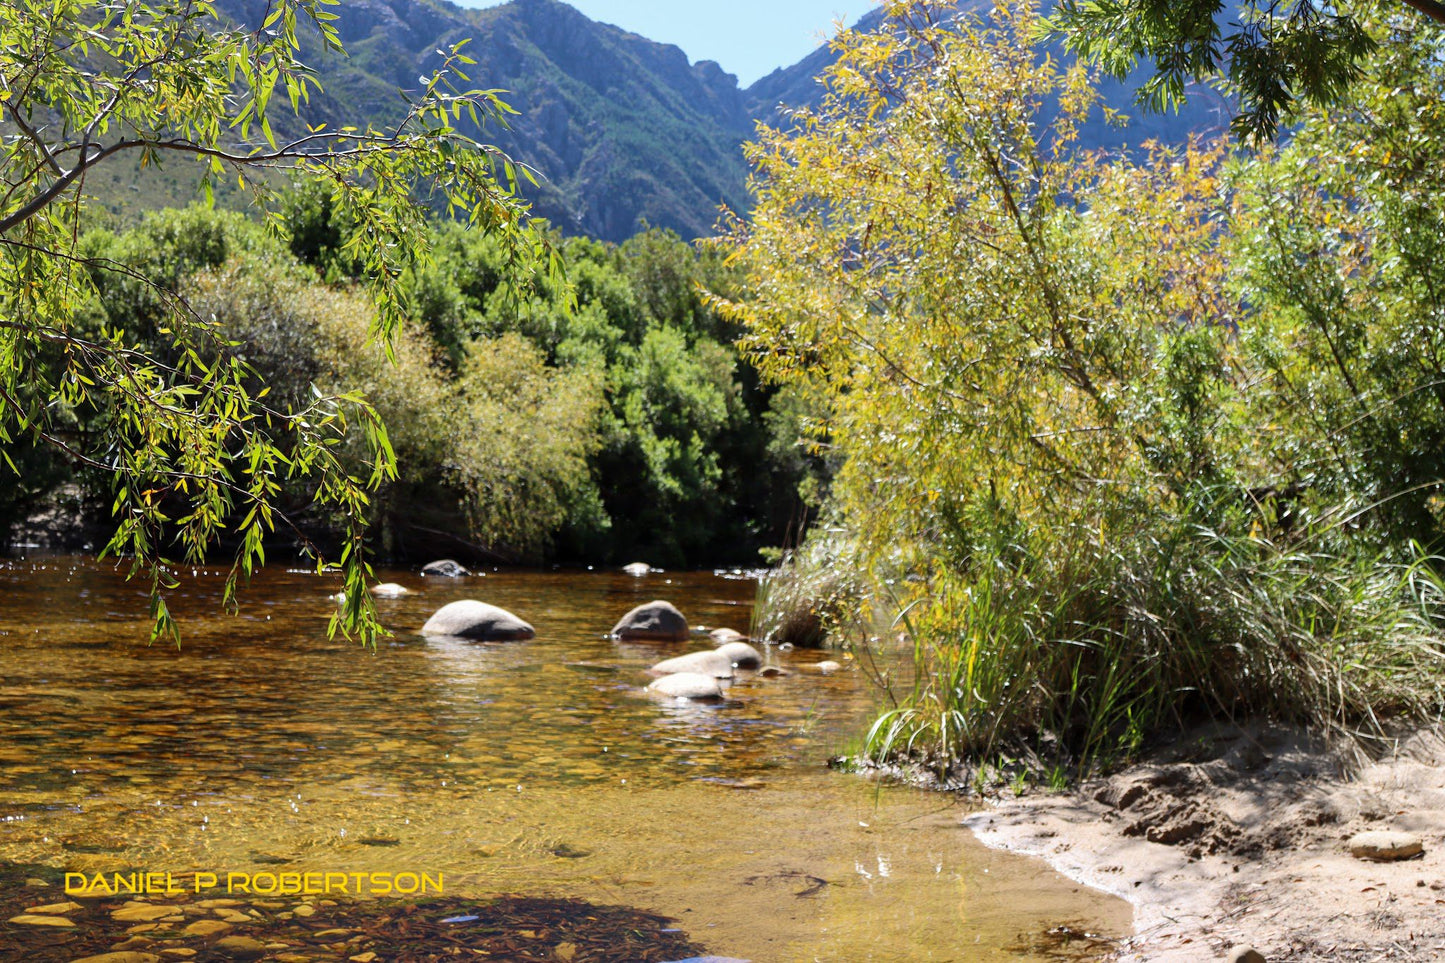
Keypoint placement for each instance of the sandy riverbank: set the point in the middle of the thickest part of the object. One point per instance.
(1237, 837)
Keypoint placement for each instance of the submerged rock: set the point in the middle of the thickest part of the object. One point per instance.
(741, 654)
(239, 948)
(637, 569)
(39, 919)
(655, 621)
(1383, 845)
(724, 636)
(826, 666)
(470, 619)
(389, 590)
(444, 568)
(688, 685)
(710, 663)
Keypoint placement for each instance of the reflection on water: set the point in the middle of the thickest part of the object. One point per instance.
(535, 767)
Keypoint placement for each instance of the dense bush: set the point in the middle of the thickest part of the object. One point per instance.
(601, 419)
(1156, 437)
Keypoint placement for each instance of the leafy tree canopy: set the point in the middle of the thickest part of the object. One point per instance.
(1271, 54)
(197, 451)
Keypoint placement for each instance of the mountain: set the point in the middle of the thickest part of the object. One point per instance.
(625, 132)
(1205, 111)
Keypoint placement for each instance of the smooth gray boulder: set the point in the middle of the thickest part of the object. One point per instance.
(655, 621)
(688, 685)
(710, 663)
(470, 619)
(637, 569)
(740, 654)
(724, 636)
(389, 590)
(444, 568)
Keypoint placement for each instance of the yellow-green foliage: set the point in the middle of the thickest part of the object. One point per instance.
(526, 433)
(507, 439)
(1126, 496)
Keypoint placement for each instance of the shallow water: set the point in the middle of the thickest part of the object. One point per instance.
(537, 768)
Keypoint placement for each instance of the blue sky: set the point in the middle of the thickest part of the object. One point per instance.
(748, 37)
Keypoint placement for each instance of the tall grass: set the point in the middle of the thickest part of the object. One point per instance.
(1088, 648)
(815, 592)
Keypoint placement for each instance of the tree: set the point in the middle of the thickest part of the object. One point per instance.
(198, 455)
(1272, 54)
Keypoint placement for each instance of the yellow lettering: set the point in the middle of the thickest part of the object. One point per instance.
(131, 884)
(380, 880)
(205, 881)
(338, 879)
(238, 882)
(270, 884)
(312, 884)
(410, 885)
(72, 887)
(435, 884)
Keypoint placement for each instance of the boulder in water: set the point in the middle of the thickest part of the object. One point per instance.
(724, 636)
(740, 654)
(444, 568)
(688, 685)
(470, 619)
(655, 621)
(710, 663)
(637, 569)
(389, 590)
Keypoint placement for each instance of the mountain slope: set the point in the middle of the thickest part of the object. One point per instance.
(1206, 112)
(624, 131)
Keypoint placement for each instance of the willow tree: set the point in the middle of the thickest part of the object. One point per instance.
(1029, 361)
(196, 457)
(980, 299)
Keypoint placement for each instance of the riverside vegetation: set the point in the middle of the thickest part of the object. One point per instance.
(1124, 441)
(600, 416)
(1112, 441)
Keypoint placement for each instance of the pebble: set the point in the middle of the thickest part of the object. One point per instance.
(1384, 845)
(50, 909)
(141, 913)
(224, 903)
(179, 952)
(30, 919)
(35, 883)
(134, 943)
(1245, 954)
(239, 947)
(124, 956)
(304, 909)
(366, 957)
(207, 928)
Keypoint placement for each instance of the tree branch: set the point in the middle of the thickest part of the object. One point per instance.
(1435, 11)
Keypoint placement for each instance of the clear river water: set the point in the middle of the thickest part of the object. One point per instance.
(537, 768)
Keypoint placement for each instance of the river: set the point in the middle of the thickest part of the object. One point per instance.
(536, 768)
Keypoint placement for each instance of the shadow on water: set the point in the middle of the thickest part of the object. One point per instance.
(536, 768)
